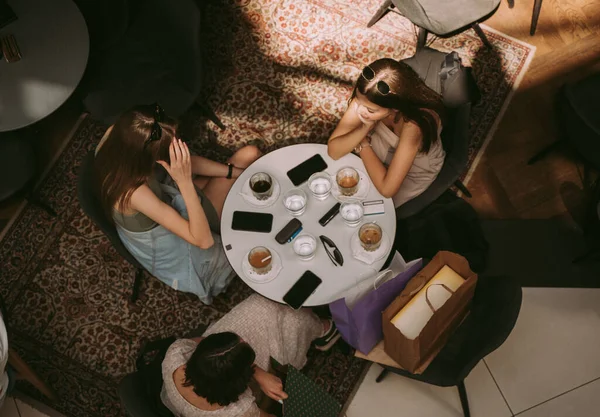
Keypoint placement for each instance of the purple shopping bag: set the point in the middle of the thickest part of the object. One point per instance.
(360, 322)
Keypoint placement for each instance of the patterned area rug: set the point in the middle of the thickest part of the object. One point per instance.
(280, 73)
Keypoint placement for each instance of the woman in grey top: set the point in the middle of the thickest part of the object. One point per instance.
(209, 376)
(169, 224)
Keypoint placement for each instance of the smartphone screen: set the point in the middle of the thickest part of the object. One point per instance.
(250, 221)
(302, 172)
(302, 289)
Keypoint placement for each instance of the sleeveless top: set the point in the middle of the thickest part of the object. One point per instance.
(425, 167)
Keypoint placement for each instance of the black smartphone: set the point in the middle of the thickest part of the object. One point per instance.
(301, 290)
(250, 221)
(302, 172)
(327, 217)
(288, 231)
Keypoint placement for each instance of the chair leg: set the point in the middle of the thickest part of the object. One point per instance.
(541, 154)
(383, 10)
(481, 34)
(208, 112)
(463, 188)
(537, 7)
(382, 375)
(25, 372)
(137, 283)
(462, 392)
(421, 38)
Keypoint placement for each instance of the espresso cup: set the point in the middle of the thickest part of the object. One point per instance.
(261, 185)
(260, 260)
(347, 180)
(370, 236)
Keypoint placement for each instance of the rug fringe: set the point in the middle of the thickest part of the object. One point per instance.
(57, 154)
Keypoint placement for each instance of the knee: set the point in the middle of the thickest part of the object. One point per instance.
(245, 156)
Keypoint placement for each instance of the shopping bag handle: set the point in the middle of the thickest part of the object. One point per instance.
(427, 295)
(380, 276)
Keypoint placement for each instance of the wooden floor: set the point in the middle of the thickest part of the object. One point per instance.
(503, 185)
(568, 48)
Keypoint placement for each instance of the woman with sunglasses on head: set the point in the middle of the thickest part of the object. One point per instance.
(393, 122)
(167, 218)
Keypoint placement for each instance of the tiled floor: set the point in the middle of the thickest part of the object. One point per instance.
(548, 367)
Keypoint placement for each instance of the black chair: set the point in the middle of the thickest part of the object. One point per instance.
(442, 18)
(140, 391)
(494, 312)
(591, 228)
(458, 99)
(145, 52)
(578, 109)
(93, 209)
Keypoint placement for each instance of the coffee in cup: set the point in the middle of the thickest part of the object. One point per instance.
(347, 180)
(260, 260)
(370, 236)
(261, 185)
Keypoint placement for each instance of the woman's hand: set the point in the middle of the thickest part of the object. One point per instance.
(270, 384)
(181, 166)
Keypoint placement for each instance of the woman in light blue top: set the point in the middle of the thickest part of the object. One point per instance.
(168, 219)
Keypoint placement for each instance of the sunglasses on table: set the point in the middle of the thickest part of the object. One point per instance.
(382, 86)
(156, 132)
(332, 251)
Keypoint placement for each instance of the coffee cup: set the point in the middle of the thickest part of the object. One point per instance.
(370, 236)
(260, 260)
(347, 180)
(261, 185)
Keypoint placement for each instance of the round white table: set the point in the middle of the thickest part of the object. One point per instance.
(54, 43)
(336, 279)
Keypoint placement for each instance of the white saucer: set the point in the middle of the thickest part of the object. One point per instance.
(364, 184)
(358, 252)
(262, 278)
(246, 193)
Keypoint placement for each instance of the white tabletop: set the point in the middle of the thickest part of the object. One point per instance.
(54, 43)
(336, 280)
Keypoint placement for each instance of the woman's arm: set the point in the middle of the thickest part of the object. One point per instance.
(349, 132)
(209, 168)
(195, 231)
(388, 181)
(269, 384)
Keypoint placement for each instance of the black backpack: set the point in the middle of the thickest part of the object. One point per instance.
(449, 223)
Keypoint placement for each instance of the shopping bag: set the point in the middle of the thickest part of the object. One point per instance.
(306, 398)
(357, 315)
(415, 354)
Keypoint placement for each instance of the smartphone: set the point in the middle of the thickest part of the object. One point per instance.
(250, 221)
(302, 172)
(301, 290)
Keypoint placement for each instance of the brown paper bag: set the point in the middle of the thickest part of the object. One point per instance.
(415, 355)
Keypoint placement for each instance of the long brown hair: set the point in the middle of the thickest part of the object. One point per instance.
(126, 159)
(408, 94)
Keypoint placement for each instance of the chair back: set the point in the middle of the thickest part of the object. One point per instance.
(494, 312)
(458, 98)
(134, 398)
(93, 208)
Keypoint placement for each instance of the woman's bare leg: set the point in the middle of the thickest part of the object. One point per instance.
(216, 188)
